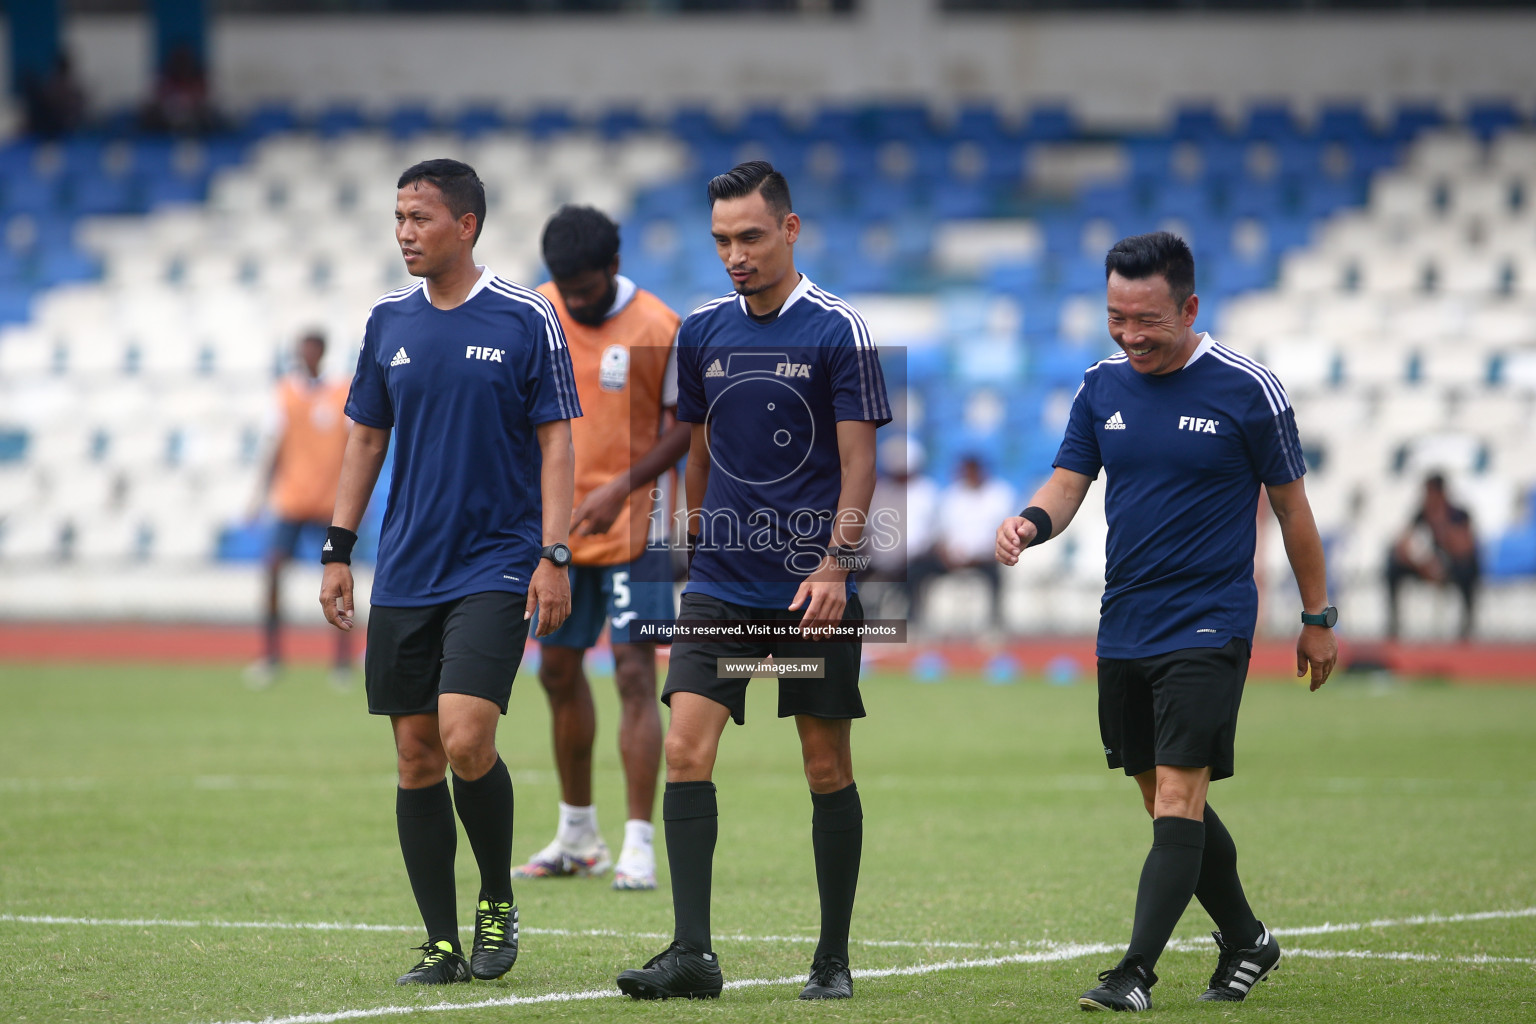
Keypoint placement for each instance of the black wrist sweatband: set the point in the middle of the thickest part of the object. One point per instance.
(338, 545)
(693, 542)
(1042, 520)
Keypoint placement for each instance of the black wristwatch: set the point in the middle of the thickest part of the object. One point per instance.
(1327, 617)
(557, 553)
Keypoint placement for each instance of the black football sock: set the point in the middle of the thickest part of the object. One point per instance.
(428, 840)
(1220, 891)
(837, 836)
(692, 821)
(485, 808)
(1167, 882)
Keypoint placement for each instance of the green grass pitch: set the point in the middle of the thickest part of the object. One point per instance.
(993, 833)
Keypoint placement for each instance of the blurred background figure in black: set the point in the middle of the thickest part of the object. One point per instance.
(1438, 546)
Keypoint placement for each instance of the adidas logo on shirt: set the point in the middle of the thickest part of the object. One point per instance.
(1114, 422)
(400, 358)
(715, 370)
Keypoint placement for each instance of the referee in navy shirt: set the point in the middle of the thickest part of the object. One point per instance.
(784, 389)
(470, 373)
(1186, 430)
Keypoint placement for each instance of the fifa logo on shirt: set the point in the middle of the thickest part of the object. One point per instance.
(476, 352)
(792, 370)
(1198, 424)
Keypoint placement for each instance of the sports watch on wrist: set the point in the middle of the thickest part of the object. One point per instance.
(1327, 617)
(557, 553)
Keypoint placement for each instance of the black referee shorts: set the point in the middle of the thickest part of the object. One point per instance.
(1178, 708)
(472, 645)
(694, 665)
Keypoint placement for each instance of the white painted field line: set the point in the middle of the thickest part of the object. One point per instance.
(1060, 953)
(1397, 922)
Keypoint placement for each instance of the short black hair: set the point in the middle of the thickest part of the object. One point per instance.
(1159, 253)
(463, 191)
(579, 238)
(753, 176)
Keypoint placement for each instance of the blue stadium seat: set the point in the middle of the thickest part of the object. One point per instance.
(1081, 273)
(617, 122)
(1230, 275)
(269, 119)
(28, 193)
(1287, 232)
(900, 121)
(962, 200)
(1344, 122)
(693, 124)
(1223, 158)
(170, 187)
(17, 157)
(765, 122)
(550, 120)
(477, 119)
(1487, 118)
(15, 269)
(64, 265)
(1248, 198)
(1113, 200)
(1197, 122)
(93, 194)
(1014, 277)
(979, 122)
(410, 119)
(340, 119)
(1412, 118)
(834, 123)
(1050, 123)
(1149, 156)
(15, 304)
(82, 155)
(1185, 200)
(1271, 121)
(1300, 157)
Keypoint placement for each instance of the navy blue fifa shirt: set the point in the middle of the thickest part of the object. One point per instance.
(772, 395)
(1184, 454)
(463, 390)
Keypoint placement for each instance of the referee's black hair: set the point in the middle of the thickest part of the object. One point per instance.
(753, 176)
(1159, 253)
(463, 191)
(579, 238)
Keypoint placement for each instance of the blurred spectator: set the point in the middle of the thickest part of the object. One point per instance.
(55, 103)
(970, 510)
(308, 436)
(903, 510)
(181, 105)
(1438, 546)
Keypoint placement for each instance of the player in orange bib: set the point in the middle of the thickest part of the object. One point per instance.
(308, 436)
(621, 343)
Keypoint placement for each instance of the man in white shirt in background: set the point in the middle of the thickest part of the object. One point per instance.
(964, 508)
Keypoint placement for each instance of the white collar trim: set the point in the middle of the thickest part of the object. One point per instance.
(1206, 343)
(795, 296)
(486, 273)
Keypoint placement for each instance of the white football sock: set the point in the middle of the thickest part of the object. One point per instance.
(639, 834)
(578, 826)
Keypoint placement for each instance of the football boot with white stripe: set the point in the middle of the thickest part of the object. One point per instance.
(1126, 986)
(1238, 970)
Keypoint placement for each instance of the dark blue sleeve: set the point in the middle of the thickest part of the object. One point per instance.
(550, 385)
(1079, 449)
(368, 402)
(1273, 442)
(691, 405)
(858, 383)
